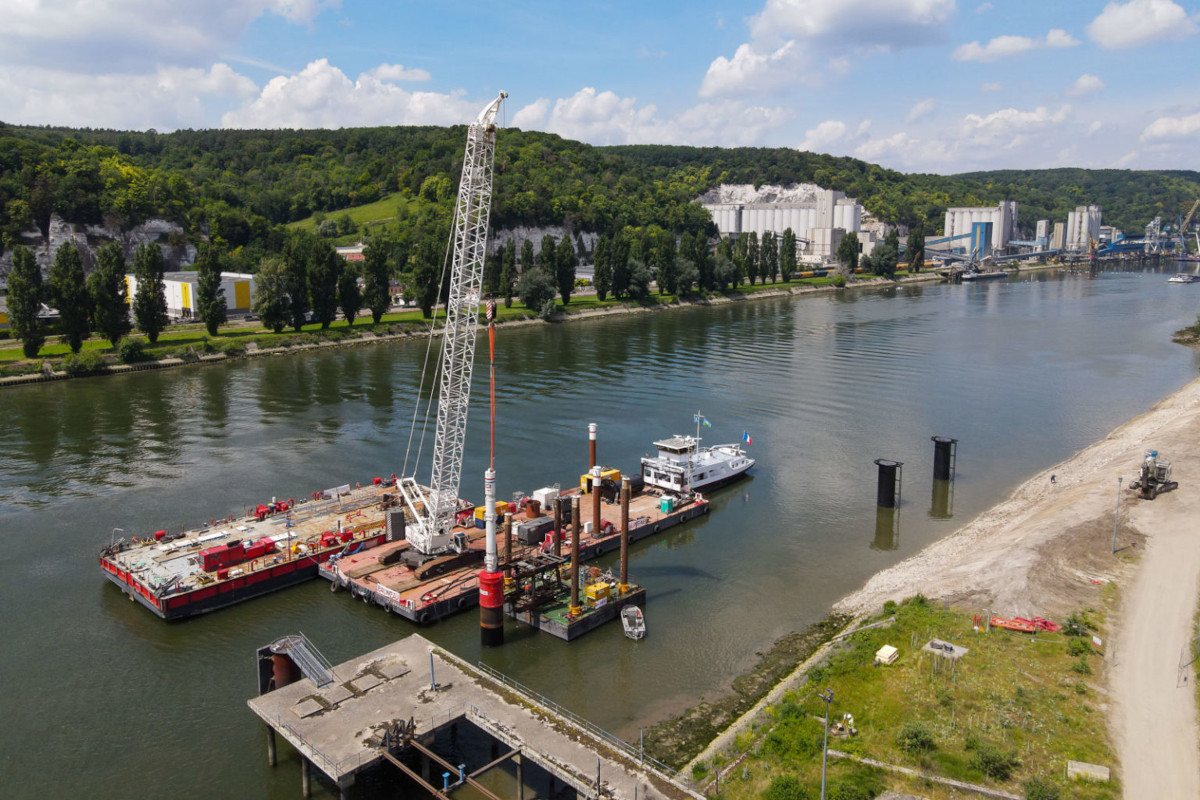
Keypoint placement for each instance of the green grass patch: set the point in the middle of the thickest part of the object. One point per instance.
(380, 212)
(1009, 714)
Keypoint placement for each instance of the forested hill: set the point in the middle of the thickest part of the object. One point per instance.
(243, 184)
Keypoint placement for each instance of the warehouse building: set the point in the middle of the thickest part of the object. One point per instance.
(180, 289)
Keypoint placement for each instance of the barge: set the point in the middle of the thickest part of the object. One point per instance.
(276, 545)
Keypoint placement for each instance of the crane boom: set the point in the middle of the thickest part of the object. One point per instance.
(434, 512)
(1183, 229)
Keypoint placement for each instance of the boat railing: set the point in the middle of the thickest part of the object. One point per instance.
(634, 753)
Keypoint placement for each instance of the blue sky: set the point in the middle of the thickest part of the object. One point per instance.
(916, 85)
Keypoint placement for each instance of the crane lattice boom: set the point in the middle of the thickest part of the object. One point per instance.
(435, 511)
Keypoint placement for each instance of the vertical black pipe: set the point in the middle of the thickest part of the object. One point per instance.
(886, 492)
(943, 457)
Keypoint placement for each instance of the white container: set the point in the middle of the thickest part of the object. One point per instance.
(546, 497)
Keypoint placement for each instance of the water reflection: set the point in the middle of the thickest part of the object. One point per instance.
(887, 529)
(941, 504)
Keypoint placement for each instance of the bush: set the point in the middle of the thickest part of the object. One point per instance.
(914, 737)
(862, 784)
(549, 308)
(786, 787)
(131, 351)
(4, 334)
(797, 738)
(1082, 666)
(889, 607)
(839, 280)
(993, 762)
(1079, 647)
(699, 770)
(83, 362)
(1040, 789)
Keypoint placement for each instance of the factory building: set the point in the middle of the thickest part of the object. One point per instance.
(830, 210)
(1083, 226)
(180, 289)
(1003, 218)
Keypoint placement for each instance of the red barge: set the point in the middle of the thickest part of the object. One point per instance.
(278, 544)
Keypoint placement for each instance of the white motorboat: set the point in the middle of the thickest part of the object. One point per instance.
(682, 465)
(633, 622)
(1182, 277)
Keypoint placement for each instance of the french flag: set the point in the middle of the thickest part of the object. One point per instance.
(746, 437)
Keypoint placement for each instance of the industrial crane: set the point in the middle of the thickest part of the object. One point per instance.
(432, 509)
(1183, 229)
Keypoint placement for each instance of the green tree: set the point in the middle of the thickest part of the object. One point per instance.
(424, 284)
(639, 279)
(298, 255)
(768, 257)
(725, 274)
(546, 256)
(915, 247)
(324, 272)
(619, 259)
(110, 294)
(752, 256)
(25, 294)
(68, 287)
(565, 263)
(210, 296)
(349, 294)
(847, 252)
(271, 300)
(150, 299)
(376, 295)
(686, 275)
(664, 263)
(508, 272)
(536, 288)
(787, 255)
(527, 260)
(602, 267)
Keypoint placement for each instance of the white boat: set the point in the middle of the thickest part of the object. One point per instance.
(633, 622)
(1182, 277)
(682, 465)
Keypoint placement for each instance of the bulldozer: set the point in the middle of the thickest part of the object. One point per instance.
(1154, 478)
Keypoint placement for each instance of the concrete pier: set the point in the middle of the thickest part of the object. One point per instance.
(339, 729)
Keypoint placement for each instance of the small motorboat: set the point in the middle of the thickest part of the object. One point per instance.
(633, 622)
(1182, 277)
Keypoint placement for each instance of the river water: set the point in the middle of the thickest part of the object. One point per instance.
(101, 698)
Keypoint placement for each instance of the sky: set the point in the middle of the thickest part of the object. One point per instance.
(939, 86)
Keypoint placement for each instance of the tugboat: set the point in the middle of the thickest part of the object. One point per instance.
(683, 466)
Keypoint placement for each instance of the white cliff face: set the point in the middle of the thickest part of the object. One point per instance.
(745, 193)
(498, 239)
(169, 236)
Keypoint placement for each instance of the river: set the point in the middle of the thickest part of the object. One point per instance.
(103, 699)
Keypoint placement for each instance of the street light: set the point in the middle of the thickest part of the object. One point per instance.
(1117, 519)
(827, 696)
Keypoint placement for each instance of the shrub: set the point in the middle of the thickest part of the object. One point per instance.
(914, 737)
(548, 309)
(861, 784)
(786, 787)
(1080, 689)
(839, 280)
(699, 770)
(993, 762)
(1040, 789)
(889, 607)
(1079, 647)
(131, 351)
(1082, 666)
(796, 738)
(83, 362)
(4, 334)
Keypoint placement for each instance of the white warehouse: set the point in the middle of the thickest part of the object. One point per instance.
(180, 288)
(1003, 218)
(830, 209)
(1083, 226)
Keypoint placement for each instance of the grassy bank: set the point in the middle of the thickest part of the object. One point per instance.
(1009, 715)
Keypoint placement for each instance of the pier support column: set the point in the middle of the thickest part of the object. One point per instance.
(574, 607)
(591, 445)
(596, 481)
(558, 526)
(508, 548)
(271, 760)
(520, 777)
(623, 586)
(305, 778)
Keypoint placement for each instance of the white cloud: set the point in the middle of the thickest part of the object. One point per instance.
(786, 30)
(532, 116)
(605, 118)
(904, 150)
(864, 127)
(169, 98)
(983, 8)
(750, 70)
(1172, 128)
(396, 72)
(322, 96)
(1094, 127)
(895, 23)
(1127, 159)
(1085, 84)
(1006, 46)
(134, 35)
(1057, 37)
(825, 134)
(994, 86)
(921, 109)
(1140, 22)
(1012, 120)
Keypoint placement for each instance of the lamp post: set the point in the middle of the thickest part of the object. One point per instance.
(1117, 518)
(827, 696)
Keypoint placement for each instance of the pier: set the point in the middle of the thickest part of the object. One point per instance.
(371, 710)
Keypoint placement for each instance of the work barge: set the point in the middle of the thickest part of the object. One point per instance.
(389, 709)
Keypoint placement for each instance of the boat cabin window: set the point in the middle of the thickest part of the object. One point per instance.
(700, 477)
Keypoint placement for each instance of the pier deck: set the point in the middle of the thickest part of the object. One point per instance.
(338, 728)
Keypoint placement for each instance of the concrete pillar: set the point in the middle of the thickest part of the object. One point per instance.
(305, 778)
(271, 760)
(520, 777)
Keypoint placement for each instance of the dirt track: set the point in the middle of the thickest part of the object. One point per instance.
(1045, 551)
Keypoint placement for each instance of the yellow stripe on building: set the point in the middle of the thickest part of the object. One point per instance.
(241, 294)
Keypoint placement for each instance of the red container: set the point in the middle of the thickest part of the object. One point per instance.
(268, 544)
(214, 557)
(328, 539)
(347, 535)
(378, 481)
(158, 535)
(222, 574)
